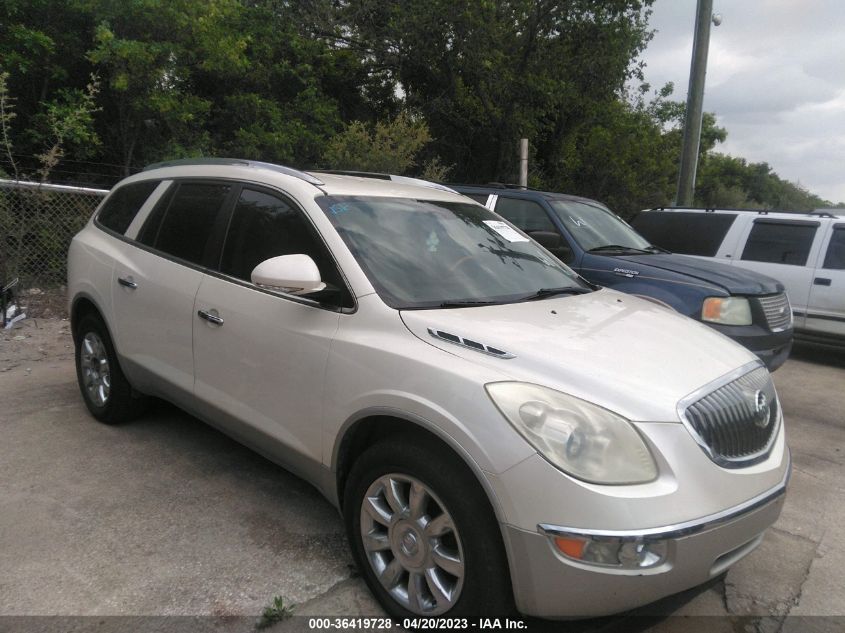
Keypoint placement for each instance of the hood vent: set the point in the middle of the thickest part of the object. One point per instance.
(469, 344)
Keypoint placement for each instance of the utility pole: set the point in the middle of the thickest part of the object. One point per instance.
(523, 163)
(695, 99)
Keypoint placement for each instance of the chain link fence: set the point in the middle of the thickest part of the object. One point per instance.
(37, 223)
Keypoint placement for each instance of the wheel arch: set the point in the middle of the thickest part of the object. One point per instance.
(81, 306)
(363, 428)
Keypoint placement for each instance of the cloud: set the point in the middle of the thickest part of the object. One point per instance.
(775, 80)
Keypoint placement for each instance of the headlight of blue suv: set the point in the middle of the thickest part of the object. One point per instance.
(726, 310)
(581, 439)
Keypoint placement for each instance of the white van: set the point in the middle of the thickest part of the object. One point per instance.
(804, 251)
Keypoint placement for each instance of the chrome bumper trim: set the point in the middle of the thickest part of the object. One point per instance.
(677, 530)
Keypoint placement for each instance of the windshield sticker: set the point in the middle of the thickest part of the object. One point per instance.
(578, 221)
(432, 242)
(507, 232)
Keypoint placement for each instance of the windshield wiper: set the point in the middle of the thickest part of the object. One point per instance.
(616, 247)
(656, 249)
(467, 304)
(542, 293)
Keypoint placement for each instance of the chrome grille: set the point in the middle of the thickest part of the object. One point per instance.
(777, 311)
(734, 422)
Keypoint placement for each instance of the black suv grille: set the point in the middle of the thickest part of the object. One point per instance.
(777, 311)
(737, 422)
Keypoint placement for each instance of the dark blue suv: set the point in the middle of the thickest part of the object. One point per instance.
(750, 308)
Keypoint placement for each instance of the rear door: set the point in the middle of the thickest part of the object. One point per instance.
(156, 280)
(826, 310)
(786, 250)
(260, 361)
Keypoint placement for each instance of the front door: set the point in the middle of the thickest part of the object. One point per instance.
(260, 356)
(826, 309)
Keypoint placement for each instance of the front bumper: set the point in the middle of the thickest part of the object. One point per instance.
(772, 348)
(550, 585)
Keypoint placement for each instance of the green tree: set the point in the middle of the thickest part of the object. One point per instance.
(484, 74)
(152, 56)
(387, 147)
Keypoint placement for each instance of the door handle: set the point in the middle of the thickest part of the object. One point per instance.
(821, 281)
(211, 318)
(127, 282)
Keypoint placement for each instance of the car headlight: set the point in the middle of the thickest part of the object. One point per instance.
(727, 310)
(581, 439)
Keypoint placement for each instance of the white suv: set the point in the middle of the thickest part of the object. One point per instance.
(497, 433)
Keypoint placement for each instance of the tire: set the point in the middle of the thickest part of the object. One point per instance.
(105, 390)
(419, 550)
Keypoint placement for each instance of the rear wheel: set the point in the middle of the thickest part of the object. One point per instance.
(423, 533)
(105, 390)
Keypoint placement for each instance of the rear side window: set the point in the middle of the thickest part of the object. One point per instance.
(188, 221)
(689, 233)
(780, 242)
(527, 215)
(835, 258)
(122, 206)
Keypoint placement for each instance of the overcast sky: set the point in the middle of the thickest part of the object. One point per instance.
(775, 80)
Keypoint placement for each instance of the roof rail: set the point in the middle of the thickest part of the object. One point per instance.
(405, 180)
(821, 214)
(352, 172)
(670, 207)
(288, 171)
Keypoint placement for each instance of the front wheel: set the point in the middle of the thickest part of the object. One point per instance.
(423, 533)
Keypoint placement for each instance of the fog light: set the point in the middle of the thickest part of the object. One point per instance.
(612, 552)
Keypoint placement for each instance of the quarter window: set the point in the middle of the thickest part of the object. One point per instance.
(786, 242)
(265, 225)
(835, 258)
(188, 221)
(122, 206)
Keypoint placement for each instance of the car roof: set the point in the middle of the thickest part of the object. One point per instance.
(329, 183)
(819, 214)
(512, 191)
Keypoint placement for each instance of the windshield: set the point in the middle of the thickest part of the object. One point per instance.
(423, 254)
(595, 226)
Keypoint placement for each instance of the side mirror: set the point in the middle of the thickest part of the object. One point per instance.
(547, 239)
(293, 274)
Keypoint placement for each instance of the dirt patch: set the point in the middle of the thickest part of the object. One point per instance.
(34, 340)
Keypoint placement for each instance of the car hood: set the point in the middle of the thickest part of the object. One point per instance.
(615, 350)
(735, 280)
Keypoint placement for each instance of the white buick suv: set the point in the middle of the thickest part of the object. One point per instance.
(497, 433)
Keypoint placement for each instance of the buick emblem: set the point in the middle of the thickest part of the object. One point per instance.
(761, 409)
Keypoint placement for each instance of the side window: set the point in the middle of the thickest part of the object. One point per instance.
(265, 225)
(784, 242)
(120, 209)
(526, 214)
(835, 258)
(182, 224)
(684, 232)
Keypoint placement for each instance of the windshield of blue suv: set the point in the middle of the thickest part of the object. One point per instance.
(597, 228)
(430, 254)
